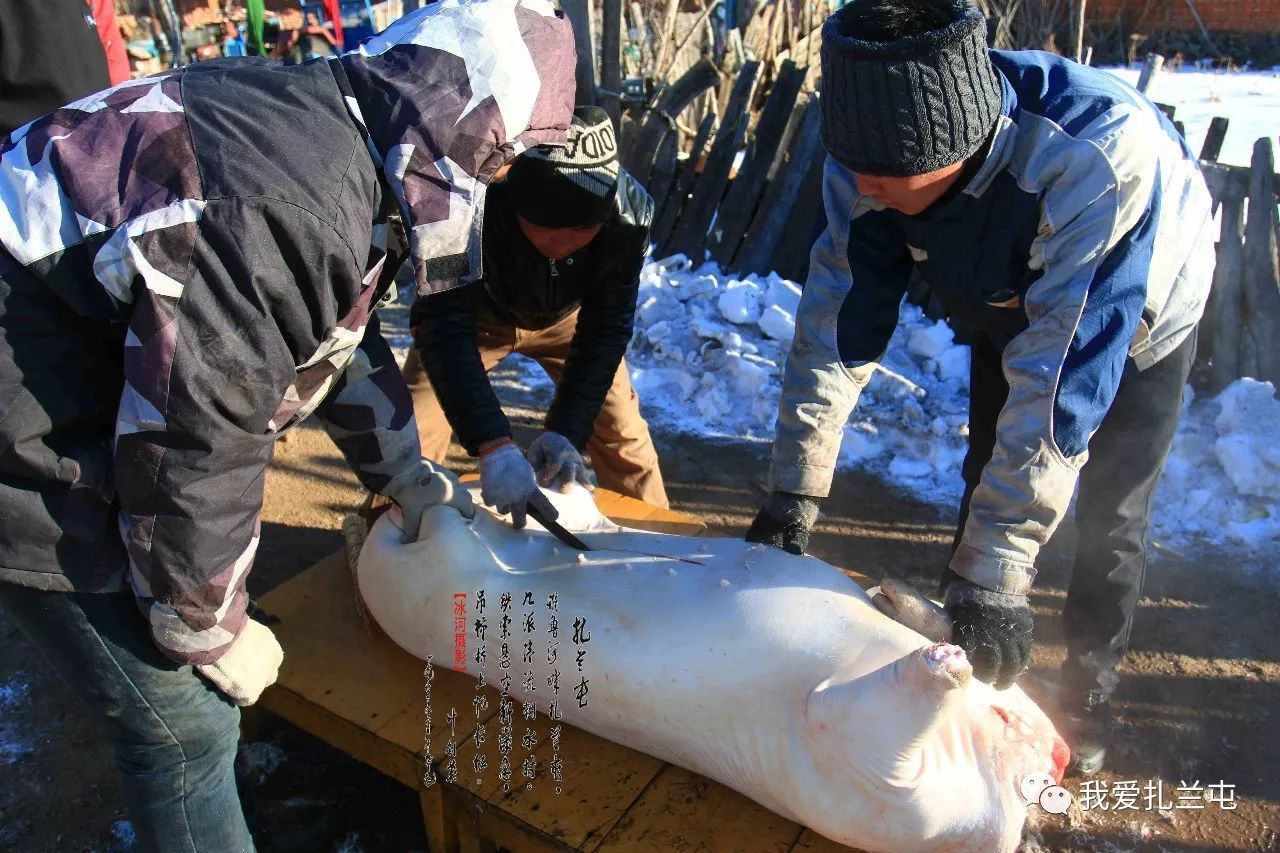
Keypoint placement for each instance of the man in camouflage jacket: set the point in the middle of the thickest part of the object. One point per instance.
(189, 265)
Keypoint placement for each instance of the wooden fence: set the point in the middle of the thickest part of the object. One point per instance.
(1240, 333)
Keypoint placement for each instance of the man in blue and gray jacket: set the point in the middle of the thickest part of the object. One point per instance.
(1064, 224)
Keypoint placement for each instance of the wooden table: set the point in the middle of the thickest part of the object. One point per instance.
(353, 688)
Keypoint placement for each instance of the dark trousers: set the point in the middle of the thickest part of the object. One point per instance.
(1113, 505)
(173, 734)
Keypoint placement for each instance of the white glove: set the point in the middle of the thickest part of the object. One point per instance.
(506, 482)
(248, 666)
(422, 486)
(558, 463)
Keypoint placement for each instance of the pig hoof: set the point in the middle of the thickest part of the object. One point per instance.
(948, 662)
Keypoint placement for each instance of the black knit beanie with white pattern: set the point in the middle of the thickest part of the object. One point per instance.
(909, 105)
(571, 186)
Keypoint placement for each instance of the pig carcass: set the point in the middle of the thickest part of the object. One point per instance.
(770, 673)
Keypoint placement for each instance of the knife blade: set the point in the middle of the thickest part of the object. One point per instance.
(558, 530)
(555, 528)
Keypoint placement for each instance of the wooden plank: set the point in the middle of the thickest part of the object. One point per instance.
(579, 12)
(1226, 306)
(1214, 138)
(695, 222)
(1261, 274)
(441, 827)
(684, 811)
(677, 199)
(354, 740)
(1150, 68)
(791, 254)
(757, 250)
(610, 89)
(600, 783)
(740, 201)
(352, 672)
(663, 176)
(659, 122)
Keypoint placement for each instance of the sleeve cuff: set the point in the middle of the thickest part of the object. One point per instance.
(992, 571)
(801, 479)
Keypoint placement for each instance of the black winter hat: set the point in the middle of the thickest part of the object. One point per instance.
(570, 186)
(909, 105)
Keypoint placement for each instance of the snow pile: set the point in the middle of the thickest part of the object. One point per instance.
(707, 358)
(1222, 480)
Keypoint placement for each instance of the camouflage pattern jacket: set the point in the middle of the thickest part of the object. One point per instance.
(188, 267)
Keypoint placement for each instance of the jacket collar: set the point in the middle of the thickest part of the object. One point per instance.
(1000, 148)
(448, 94)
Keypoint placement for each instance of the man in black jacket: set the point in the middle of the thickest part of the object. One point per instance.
(565, 235)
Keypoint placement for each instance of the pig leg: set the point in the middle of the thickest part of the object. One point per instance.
(890, 713)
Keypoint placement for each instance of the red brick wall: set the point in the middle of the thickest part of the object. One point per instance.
(1174, 15)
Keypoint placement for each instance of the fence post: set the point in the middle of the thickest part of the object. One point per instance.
(579, 12)
(1213, 139)
(691, 234)
(1149, 70)
(609, 93)
(1226, 309)
(1261, 275)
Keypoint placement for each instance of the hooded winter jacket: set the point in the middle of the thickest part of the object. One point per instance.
(1083, 240)
(189, 265)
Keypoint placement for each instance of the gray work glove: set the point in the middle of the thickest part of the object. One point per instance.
(785, 522)
(507, 483)
(995, 629)
(426, 485)
(558, 463)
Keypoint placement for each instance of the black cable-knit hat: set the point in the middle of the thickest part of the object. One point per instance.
(909, 105)
(569, 186)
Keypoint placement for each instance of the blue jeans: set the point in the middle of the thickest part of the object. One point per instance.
(173, 734)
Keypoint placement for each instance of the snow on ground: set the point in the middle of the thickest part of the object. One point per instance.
(1251, 100)
(707, 355)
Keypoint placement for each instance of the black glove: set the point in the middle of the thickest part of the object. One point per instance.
(785, 522)
(995, 629)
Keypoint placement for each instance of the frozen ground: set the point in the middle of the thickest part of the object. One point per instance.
(1251, 100)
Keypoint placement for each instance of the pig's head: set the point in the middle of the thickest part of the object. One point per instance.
(920, 755)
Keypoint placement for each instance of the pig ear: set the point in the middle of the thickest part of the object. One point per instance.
(890, 714)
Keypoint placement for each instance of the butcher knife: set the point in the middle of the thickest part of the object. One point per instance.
(557, 530)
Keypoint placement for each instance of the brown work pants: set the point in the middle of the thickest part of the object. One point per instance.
(621, 449)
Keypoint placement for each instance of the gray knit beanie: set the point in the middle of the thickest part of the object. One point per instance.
(909, 105)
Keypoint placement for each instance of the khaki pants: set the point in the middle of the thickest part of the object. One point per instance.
(621, 449)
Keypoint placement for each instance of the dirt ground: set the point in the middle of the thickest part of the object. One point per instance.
(1198, 702)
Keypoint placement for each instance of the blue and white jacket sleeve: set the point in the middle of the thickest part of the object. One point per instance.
(843, 326)
(1099, 212)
